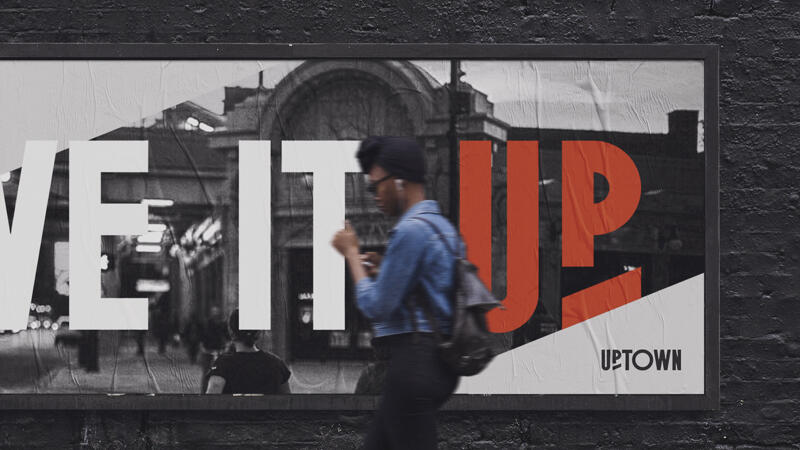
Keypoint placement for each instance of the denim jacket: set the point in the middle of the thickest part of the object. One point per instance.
(415, 255)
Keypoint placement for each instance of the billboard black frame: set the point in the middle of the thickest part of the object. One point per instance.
(708, 54)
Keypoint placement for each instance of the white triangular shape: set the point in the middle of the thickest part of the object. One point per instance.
(569, 361)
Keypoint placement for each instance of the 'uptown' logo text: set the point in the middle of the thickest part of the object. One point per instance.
(665, 359)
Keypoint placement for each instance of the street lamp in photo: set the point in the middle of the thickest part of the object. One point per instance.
(147, 248)
(151, 237)
(156, 227)
(158, 202)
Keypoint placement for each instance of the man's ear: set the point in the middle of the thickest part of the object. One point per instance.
(399, 184)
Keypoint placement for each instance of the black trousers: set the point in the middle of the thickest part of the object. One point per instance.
(417, 385)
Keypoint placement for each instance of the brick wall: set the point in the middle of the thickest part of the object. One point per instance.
(760, 95)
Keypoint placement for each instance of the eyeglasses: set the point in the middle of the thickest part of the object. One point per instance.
(372, 187)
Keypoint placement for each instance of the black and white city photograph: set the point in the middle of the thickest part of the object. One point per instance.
(187, 263)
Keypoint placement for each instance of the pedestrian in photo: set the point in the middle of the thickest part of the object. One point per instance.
(417, 267)
(213, 340)
(247, 369)
(192, 333)
(162, 322)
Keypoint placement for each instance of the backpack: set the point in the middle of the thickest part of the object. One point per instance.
(469, 349)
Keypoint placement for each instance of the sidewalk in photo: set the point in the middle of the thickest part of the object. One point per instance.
(315, 377)
(125, 371)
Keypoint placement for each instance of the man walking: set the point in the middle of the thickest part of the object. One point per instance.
(416, 272)
(213, 340)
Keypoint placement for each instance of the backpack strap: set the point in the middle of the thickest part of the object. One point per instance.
(438, 231)
(419, 291)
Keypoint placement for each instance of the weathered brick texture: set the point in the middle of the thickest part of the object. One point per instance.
(760, 195)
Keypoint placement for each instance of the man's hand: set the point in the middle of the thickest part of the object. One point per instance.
(371, 262)
(345, 241)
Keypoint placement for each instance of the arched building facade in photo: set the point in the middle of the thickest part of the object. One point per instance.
(336, 100)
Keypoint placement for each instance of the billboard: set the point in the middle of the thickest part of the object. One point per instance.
(150, 192)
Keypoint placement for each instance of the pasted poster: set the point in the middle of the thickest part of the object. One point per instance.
(156, 197)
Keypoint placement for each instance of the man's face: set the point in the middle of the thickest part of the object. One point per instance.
(385, 193)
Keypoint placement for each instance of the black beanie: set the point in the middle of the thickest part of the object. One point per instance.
(401, 157)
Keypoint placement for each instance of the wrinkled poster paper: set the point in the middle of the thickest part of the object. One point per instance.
(582, 202)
